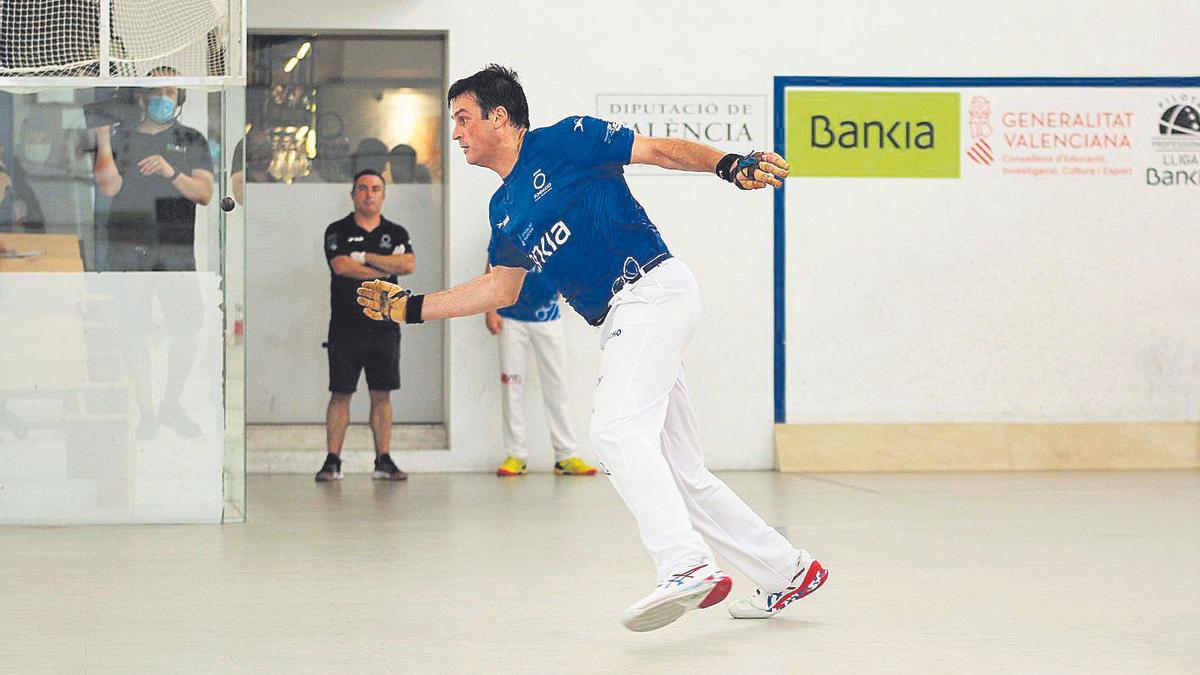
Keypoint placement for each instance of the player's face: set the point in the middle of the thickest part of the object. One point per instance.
(475, 135)
(368, 195)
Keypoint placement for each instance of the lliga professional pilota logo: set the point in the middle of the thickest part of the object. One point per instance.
(1179, 119)
(1177, 142)
(980, 116)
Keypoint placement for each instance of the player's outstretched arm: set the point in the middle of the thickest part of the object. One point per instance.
(749, 172)
(385, 301)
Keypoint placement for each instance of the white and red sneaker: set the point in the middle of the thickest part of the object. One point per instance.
(809, 576)
(696, 588)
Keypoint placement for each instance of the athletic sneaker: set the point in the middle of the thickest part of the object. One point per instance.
(386, 469)
(696, 588)
(573, 466)
(512, 466)
(331, 469)
(809, 576)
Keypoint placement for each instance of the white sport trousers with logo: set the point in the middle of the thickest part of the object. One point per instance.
(644, 433)
(548, 343)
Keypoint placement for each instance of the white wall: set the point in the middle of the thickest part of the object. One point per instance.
(567, 53)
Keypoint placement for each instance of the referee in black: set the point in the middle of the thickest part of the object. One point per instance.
(363, 245)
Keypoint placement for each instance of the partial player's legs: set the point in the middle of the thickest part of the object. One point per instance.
(550, 347)
(514, 343)
(337, 419)
(734, 530)
(380, 354)
(739, 534)
(134, 321)
(643, 340)
(381, 433)
(183, 314)
(643, 343)
(344, 370)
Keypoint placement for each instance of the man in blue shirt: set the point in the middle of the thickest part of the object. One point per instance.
(531, 324)
(564, 209)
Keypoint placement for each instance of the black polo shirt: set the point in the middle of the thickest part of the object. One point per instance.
(344, 237)
(150, 210)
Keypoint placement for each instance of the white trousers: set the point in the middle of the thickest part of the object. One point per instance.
(549, 345)
(644, 433)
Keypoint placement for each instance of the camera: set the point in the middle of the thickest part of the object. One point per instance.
(113, 107)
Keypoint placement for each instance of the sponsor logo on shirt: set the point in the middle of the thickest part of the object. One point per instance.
(551, 241)
(541, 184)
(354, 239)
(611, 130)
(502, 223)
(331, 242)
(631, 271)
(525, 234)
(578, 124)
(385, 241)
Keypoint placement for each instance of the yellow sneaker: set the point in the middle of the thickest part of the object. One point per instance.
(573, 466)
(512, 467)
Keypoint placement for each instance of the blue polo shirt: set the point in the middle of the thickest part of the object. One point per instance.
(565, 210)
(538, 301)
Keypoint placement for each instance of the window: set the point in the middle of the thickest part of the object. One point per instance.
(320, 108)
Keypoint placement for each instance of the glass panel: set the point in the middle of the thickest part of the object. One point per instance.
(233, 247)
(112, 371)
(320, 108)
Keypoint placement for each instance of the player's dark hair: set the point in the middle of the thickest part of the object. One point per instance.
(367, 172)
(492, 87)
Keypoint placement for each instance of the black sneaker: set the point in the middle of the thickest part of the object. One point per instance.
(386, 469)
(331, 469)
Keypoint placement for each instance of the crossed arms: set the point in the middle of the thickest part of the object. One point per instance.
(400, 264)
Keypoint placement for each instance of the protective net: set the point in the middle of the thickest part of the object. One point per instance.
(66, 38)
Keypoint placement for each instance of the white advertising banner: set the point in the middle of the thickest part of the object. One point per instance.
(1031, 258)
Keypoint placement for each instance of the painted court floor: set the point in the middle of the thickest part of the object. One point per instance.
(929, 573)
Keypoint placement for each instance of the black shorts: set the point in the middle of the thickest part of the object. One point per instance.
(377, 353)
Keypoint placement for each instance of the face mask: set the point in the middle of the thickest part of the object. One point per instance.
(161, 109)
(36, 153)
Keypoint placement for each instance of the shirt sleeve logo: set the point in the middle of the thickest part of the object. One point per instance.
(578, 124)
(611, 130)
(331, 241)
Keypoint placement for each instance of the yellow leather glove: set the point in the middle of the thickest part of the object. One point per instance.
(383, 301)
(754, 171)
